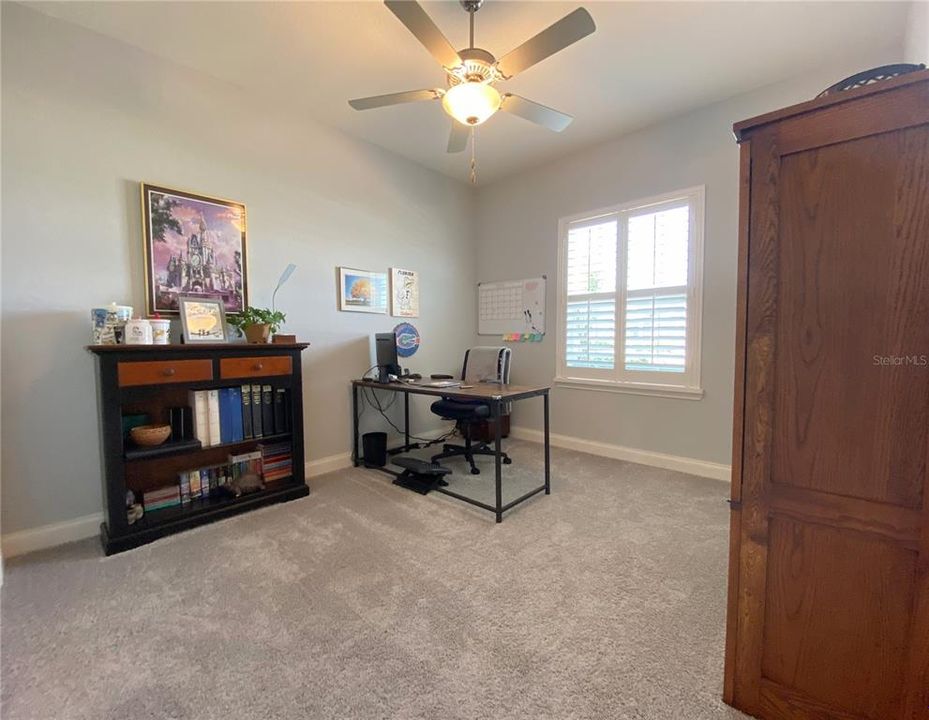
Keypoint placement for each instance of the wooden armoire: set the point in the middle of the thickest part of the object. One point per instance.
(828, 613)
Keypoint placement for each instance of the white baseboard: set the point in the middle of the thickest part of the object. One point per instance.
(46, 536)
(328, 464)
(717, 471)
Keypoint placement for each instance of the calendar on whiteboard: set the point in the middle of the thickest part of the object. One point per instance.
(511, 306)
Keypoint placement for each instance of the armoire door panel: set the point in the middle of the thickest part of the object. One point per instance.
(777, 701)
(888, 522)
(846, 655)
(852, 341)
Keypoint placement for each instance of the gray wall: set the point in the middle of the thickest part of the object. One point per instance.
(517, 237)
(84, 119)
(917, 32)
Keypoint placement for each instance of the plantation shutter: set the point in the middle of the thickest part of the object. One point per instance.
(590, 311)
(655, 315)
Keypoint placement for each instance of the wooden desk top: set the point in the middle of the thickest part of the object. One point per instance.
(480, 391)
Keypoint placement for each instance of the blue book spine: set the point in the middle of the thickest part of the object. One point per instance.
(235, 412)
(225, 416)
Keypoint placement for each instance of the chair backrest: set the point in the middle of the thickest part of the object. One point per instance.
(486, 364)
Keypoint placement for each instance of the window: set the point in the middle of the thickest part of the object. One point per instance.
(630, 296)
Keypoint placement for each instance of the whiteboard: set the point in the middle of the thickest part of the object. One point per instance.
(511, 306)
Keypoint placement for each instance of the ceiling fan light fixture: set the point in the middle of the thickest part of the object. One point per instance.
(471, 103)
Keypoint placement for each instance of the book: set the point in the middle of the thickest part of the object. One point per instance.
(200, 420)
(246, 395)
(267, 410)
(184, 485)
(194, 481)
(204, 482)
(225, 419)
(213, 399)
(246, 463)
(161, 498)
(230, 415)
(280, 411)
(257, 429)
(235, 412)
(276, 461)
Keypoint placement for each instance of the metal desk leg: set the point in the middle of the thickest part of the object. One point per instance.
(548, 484)
(355, 425)
(406, 421)
(498, 451)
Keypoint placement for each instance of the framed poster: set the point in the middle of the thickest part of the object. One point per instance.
(195, 247)
(362, 291)
(404, 293)
(202, 320)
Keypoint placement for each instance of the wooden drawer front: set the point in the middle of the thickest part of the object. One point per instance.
(246, 367)
(164, 371)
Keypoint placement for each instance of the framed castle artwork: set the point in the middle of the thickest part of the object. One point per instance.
(195, 248)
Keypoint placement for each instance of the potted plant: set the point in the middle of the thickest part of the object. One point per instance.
(258, 324)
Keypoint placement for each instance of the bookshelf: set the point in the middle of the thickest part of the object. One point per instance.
(148, 380)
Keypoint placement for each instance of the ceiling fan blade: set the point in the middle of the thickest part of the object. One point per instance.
(411, 14)
(532, 111)
(377, 101)
(571, 28)
(458, 137)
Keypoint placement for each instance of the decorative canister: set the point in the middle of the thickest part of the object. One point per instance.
(161, 330)
(102, 332)
(138, 332)
(116, 317)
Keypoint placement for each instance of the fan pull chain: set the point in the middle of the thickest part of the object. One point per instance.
(473, 156)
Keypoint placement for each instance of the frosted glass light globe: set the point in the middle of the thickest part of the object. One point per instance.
(471, 103)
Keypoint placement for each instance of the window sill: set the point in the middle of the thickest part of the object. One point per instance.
(632, 388)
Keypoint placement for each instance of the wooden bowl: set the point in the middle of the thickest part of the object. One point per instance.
(150, 435)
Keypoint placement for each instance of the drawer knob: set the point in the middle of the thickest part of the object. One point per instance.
(259, 366)
(168, 372)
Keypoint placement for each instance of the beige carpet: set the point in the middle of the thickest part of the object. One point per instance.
(604, 600)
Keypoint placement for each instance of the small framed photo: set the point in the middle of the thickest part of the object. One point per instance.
(362, 291)
(203, 320)
(404, 293)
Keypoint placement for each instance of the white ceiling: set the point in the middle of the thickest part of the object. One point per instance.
(645, 62)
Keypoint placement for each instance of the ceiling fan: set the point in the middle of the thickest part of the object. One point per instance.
(470, 97)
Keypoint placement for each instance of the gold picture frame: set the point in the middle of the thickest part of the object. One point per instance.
(194, 245)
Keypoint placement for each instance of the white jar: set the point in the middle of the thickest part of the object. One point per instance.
(161, 330)
(138, 331)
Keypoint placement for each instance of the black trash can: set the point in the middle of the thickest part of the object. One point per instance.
(374, 448)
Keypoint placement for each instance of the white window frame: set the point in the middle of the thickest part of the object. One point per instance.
(686, 385)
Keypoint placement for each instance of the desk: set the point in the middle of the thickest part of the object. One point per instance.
(495, 395)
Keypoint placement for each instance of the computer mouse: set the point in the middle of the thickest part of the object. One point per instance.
(415, 376)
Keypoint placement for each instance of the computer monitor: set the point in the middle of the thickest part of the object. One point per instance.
(387, 362)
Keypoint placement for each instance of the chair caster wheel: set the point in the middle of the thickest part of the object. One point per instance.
(475, 471)
(507, 461)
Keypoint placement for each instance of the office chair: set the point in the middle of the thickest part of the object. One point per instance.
(481, 364)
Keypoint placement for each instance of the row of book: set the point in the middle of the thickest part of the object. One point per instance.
(233, 414)
(272, 462)
(277, 461)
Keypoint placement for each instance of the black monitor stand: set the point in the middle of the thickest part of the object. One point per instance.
(384, 370)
